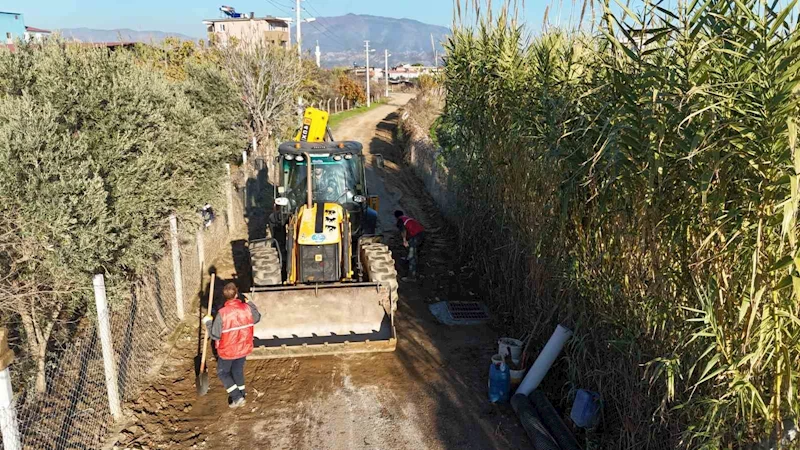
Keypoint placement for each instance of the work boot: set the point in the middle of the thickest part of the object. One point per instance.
(237, 403)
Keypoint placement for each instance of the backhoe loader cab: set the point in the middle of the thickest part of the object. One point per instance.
(323, 286)
(337, 176)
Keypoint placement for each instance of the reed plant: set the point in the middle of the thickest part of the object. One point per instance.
(637, 178)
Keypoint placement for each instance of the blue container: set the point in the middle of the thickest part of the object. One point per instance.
(586, 408)
(499, 380)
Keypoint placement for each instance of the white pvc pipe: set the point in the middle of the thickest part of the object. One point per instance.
(546, 358)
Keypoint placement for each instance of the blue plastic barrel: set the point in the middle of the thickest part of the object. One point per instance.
(586, 408)
(499, 380)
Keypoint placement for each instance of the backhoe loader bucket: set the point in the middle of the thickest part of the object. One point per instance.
(327, 319)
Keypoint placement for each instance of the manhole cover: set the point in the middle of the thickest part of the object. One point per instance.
(467, 311)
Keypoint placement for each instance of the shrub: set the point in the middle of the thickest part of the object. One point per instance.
(96, 150)
(351, 90)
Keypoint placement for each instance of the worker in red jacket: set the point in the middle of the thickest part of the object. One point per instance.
(413, 234)
(232, 331)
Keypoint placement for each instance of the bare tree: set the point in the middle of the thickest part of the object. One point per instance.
(270, 79)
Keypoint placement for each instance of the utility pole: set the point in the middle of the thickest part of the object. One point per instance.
(317, 53)
(435, 56)
(299, 34)
(366, 43)
(386, 71)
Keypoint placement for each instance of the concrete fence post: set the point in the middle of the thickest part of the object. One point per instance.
(8, 414)
(177, 274)
(329, 105)
(336, 105)
(104, 331)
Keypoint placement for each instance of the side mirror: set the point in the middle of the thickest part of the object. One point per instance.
(380, 163)
(282, 201)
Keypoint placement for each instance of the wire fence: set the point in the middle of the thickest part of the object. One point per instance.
(336, 105)
(74, 411)
(333, 105)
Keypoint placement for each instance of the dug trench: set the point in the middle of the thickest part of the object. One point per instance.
(428, 394)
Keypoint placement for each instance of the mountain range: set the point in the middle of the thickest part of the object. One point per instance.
(341, 39)
(116, 35)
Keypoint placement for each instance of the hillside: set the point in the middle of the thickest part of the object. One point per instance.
(342, 39)
(124, 34)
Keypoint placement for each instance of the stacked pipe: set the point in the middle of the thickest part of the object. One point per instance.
(542, 423)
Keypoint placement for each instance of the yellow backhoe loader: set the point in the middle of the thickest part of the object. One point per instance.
(323, 281)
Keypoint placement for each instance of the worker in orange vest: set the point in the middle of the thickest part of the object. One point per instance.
(413, 235)
(232, 332)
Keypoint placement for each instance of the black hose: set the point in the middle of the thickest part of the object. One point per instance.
(280, 256)
(558, 429)
(532, 423)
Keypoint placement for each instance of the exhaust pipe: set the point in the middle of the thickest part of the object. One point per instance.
(309, 188)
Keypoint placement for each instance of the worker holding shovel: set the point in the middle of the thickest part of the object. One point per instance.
(232, 330)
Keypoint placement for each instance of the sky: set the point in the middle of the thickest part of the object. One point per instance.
(186, 16)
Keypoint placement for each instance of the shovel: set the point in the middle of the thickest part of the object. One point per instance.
(202, 375)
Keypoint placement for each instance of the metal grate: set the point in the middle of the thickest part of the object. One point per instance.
(467, 311)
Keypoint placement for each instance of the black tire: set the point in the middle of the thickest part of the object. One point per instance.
(379, 267)
(266, 265)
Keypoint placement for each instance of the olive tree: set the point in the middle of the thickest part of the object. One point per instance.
(96, 151)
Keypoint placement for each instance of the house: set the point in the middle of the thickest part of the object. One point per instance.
(375, 73)
(273, 29)
(12, 27)
(409, 72)
(36, 34)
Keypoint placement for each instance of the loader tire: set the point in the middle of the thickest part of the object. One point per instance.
(266, 265)
(379, 266)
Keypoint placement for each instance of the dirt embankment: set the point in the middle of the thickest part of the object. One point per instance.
(429, 394)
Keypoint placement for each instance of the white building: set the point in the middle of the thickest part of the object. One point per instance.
(272, 29)
(408, 72)
(36, 34)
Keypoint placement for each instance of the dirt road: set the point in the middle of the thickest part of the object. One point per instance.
(429, 394)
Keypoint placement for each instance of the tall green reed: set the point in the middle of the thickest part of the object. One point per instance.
(640, 182)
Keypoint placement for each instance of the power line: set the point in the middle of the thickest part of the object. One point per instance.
(316, 13)
(288, 5)
(282, 8)
(326, 31)
(322, 29)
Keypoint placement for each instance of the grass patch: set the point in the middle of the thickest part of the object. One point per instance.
(336, 119)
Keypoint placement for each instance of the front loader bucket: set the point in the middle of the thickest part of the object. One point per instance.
(323, 320)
